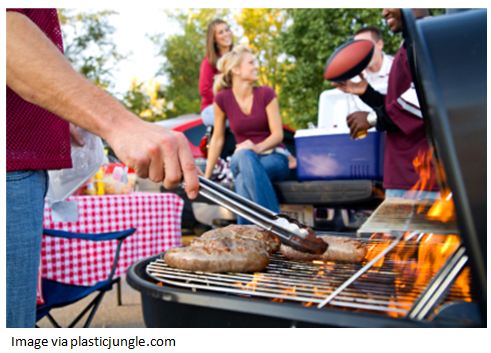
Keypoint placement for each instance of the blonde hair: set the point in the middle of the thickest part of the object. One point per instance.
(226, 63)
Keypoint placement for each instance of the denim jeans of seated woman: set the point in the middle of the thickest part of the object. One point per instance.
(25, 206)
(254, 174)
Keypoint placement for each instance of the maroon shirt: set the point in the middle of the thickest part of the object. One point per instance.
(36, 138)
(207, 74)
(253, 126)
(402, 146)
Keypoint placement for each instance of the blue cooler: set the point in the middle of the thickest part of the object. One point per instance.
(323, 156)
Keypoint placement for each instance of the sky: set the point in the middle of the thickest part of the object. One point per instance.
(133, 25)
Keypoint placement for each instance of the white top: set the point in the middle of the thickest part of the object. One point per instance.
(335, 105)
(380, 80)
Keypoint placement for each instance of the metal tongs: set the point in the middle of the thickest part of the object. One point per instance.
(289, 231)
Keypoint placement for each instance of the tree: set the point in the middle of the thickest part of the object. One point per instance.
(182, 54)
(262, 28)
(146, 100)
(89, 45)
(308, 42)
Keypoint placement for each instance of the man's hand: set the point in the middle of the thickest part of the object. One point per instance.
(357, 122)
(156, 153)
(348, 86)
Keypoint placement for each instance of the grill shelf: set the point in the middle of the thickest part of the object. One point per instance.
(309, 283)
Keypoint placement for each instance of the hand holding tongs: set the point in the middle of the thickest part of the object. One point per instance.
(290, 232)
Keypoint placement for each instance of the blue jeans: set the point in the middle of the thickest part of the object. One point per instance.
(254, 174)
(25, 207)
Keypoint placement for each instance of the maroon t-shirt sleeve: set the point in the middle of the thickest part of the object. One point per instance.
(220, 100)
(268, 95)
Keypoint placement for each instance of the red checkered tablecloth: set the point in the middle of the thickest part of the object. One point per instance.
(157, 218)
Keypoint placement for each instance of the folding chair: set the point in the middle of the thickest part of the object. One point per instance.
(56, 294)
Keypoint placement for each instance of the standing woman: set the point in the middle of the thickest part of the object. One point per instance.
(255, 121)
(219, 41)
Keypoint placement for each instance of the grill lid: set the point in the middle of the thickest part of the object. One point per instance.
(447, 55)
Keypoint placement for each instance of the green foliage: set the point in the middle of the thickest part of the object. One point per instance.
(308, 42)
(146, 100)
(262, 28)
(89, 45)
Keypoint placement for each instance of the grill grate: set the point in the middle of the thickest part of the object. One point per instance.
(382, 289)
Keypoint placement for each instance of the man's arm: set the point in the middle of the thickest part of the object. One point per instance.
(358, 121)
(40, 74)
(384, 122)
(372, 97)
(376, 101)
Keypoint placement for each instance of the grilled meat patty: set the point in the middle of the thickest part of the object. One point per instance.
(340, 249)
(270, 241)
(235, 248)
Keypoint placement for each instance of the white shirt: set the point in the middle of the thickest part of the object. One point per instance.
(380, 80)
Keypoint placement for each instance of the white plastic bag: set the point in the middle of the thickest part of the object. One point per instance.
(86, 160)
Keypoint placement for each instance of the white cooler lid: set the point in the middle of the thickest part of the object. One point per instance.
(316, 132)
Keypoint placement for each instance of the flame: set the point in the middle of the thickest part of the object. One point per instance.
(422, 164)
(289, 291)
(423, 257)
(442, 210)
(414, 261)
(375, 248)
(252, 284)
(419, 259)
(256, 277)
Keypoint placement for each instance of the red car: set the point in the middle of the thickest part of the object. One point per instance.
(193, 128)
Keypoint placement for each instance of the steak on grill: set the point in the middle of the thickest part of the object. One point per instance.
(339, 249)
(270, 241)
(235, 248)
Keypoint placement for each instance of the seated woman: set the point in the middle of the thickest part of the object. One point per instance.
(255, 120)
